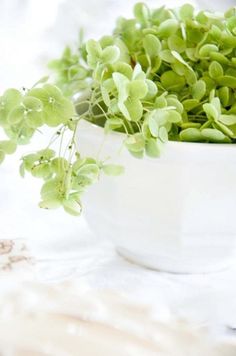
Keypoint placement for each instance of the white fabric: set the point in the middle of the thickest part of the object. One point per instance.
(63, 245)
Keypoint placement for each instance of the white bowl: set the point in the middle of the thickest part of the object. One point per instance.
(176, 213)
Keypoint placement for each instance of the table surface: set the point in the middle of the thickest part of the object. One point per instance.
(63, 246)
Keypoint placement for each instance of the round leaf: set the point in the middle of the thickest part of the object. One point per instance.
(138, 89)
(110, 54)
(168, 28)
(152, 45)
(199, 90)
(72, 207)
(135, 109)
(172, 81)
(215, 70)
(141, 12)
(153, 148)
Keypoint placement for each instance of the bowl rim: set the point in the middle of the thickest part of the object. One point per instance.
(207, 145)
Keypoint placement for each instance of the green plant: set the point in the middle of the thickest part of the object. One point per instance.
(164, 74)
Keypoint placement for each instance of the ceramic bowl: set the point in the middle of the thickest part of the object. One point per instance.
(176, 213)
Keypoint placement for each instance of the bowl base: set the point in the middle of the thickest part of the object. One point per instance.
(169, 264)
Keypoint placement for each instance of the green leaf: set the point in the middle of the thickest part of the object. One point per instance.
(191, 135)
(50, 203)
(123, 68)
(59, 165)
(173, 101)
(180, 59)
(227, 81)
(121, 83)
(215, 70)
(213, 135)
(191, 77)
(31, 103)
(153, 148)
(113, 124)
(22, 170)
(110, 54)
(105, 96)
(211, 111)
(151, 89)
(225, 129)
(153, 125)
(186, 125)
(93, 48)
(42, 170)
(163, 134)
(16, 115)
(172, 81)
(207, 49)
(90, 171)
(9, 147)
(137, 89)
(186, 12)
(224, 94)
(161, 102)
(138, 73)
(228, 119)
(135, 109)
(216, 103)
(219, 57)
(168, 28)
(8, 101)
(34, 120)
(152, 45)
(72, 207)
(135, 143)
(174, 116)
(161, 116)
(56, 108)
(123, 109)
(109, 85)
(199, 90)
(167, 56)
(176, 43)
(141, 12)
(51, 189)
(106, 41)
(46, 154)
(113, 169)
(41, 81)
(12, 97)
(191, 54)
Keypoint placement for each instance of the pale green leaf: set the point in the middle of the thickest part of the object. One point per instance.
(153, 148)
(152, 45)
(113, 169)
(191, 135)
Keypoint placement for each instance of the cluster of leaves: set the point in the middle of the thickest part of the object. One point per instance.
(22, 113)
(168, 66)
(72, 74)
(166, 74)
(64, 180)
